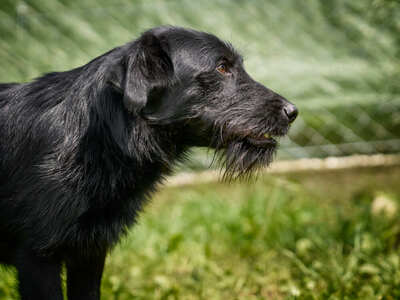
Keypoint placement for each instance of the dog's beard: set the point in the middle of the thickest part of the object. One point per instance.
(242, 160)
(243, 152)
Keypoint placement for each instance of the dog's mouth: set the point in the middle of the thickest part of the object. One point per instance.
(266, 140)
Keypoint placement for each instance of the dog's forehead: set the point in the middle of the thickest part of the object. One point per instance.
(203, 48)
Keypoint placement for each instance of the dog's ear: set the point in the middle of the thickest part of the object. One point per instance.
(146, 69)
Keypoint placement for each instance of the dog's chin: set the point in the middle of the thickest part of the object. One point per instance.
(243, 158)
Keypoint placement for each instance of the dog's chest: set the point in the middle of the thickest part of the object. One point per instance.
(114, 208)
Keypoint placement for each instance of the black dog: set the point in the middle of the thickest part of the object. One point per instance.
(81, 150)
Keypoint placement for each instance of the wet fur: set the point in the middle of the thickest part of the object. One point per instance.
(81, 150)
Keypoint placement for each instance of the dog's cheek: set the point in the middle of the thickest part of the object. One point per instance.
(210, 84)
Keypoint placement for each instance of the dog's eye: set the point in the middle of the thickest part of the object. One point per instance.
(223, 69)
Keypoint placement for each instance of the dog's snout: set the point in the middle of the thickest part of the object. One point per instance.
(290, 111)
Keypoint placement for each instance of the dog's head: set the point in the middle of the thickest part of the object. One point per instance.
(194, 82)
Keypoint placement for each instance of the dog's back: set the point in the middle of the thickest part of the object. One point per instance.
(6, 86)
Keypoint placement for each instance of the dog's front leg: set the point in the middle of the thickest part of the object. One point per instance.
(38, 276)
(84, 277)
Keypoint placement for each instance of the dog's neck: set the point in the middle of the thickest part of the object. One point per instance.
(111, 141)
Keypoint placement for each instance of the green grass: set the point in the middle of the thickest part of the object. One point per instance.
(301, 236)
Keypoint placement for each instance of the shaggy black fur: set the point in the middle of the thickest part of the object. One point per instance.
(80, 150)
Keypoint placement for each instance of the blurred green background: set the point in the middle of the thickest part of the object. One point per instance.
(325, 235)
(339, 61)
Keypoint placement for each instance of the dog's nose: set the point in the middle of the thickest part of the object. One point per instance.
(290, 111)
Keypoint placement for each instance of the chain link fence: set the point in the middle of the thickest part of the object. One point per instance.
(353, 128)
(337, 62)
